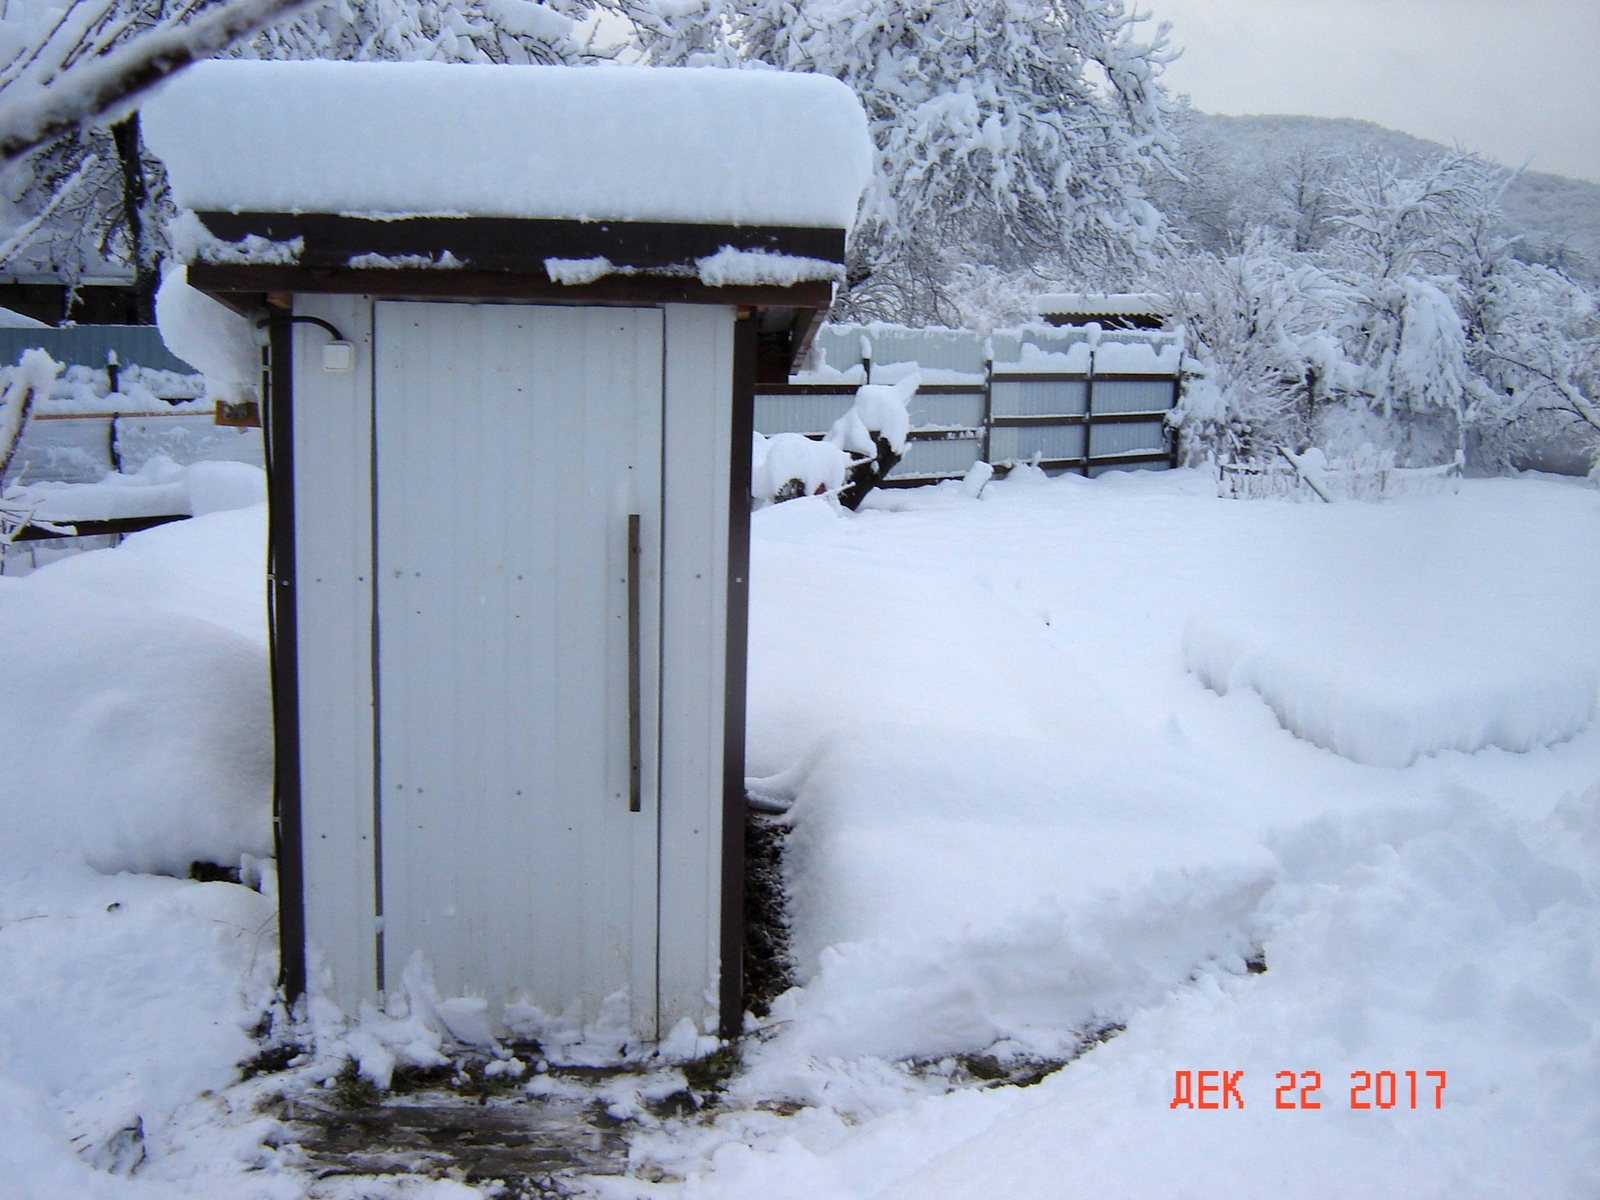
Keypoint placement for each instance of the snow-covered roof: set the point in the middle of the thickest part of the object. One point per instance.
(1125, 304)
(682, 145)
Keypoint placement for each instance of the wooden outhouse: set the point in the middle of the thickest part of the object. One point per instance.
(516, 317)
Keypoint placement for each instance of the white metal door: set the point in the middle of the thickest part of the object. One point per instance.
(517, 648)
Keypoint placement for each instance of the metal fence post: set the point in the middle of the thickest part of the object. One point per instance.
(1088, 414)
(988, 401)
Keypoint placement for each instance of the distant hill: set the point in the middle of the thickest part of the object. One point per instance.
(1559, 218)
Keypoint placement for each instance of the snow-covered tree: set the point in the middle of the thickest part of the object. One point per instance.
(90, 193)
(64, 67)
(97, 197)
(94, 196)
(1412, 326)
(1008, 131)
(482, 31)
(1265, 325)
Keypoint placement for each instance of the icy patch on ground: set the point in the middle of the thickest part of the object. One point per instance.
(1386, 696)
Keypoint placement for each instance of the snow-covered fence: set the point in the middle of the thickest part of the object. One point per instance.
(1367, 475)
(1065, 398)
(95, 346)
(83, 447)
(98, 476)
(120, 398)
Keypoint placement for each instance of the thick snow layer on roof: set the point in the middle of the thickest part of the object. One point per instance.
(1124, 304)
(701, 146)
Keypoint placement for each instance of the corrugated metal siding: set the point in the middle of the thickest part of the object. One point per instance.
(82, 449)
(952, 410)
(1134, 436)
(1047, 441)
(333, 607)
(1039, 398)
(1133, 395)
(946, 456)
(86, 345)
(800, 414)
(697, 428)
(815, 414)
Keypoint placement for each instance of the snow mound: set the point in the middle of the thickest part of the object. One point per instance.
(126, 997)
(159, 488)
(1461, 944)
(1386, 696)
(949, 891)
(607, 143)
(139, 734)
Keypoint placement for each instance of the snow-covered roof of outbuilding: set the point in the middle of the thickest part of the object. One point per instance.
(607, 143)
(1122, 304)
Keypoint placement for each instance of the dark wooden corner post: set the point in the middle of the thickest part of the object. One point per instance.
(278, 417)
(734, 805)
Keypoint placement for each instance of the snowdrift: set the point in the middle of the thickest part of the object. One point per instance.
(1384, 696)
(139, 729)
(1456, 940)
(953, 892)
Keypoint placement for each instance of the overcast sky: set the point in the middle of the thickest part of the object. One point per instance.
(1512, 78)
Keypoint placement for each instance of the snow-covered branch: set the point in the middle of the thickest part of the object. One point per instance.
(36, 110)
(21, 384)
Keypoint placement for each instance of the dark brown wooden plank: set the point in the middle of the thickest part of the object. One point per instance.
(515, 244)
(32, 533)
(849, 389)
(223, 280)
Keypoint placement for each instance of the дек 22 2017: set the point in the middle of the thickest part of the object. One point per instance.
(1368, 1089)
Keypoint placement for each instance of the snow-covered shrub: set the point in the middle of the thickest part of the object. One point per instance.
(788, 465)
(21, 387)
(874, 433)
(851, 459)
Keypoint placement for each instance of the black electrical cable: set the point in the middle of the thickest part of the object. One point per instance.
(300, 319)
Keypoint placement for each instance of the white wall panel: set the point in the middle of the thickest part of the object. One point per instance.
(333, 555)
(695, 454)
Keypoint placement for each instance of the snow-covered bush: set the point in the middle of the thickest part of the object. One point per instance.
(21, 387)
(789, 465)
(874, 433)
(849, 461)
(499, 31)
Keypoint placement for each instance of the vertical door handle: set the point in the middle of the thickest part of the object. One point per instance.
(635, 716)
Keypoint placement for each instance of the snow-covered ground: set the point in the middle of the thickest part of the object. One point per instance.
(1064, 758)
(1025, 813)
